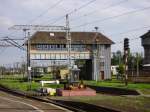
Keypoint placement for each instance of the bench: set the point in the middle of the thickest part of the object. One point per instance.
(49, 82)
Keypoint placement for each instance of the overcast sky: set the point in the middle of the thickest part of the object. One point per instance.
(46, 12)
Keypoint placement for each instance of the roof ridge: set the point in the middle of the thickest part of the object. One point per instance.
(84, 37)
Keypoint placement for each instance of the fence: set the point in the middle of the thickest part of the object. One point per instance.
(142, 76)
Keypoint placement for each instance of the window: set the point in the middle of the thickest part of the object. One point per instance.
(45, 47)
(49, 47)
(56, 46)
(106, 46)
(41, 47)
(37, 56)
(38, 46)
(64, 46)
(78, 47)
(51, 34)
(42, 56)
(52, 56)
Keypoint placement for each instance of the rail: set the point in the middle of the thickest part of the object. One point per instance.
(73, 106)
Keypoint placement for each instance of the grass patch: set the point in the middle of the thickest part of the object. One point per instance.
(16, 84)
(54, 85)
(14, 76)
(118, 84)
(24, 86)
(122, 103)
(145, 91)
(44, 77)
(22, 76)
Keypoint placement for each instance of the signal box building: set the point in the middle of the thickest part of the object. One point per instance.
(146, 44)
(93, 47)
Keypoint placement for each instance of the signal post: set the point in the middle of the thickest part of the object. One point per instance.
(126, 54)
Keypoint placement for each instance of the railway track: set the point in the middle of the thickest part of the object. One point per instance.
(70, 105)
(84, 107)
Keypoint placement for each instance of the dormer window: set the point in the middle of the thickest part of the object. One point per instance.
(51, 34)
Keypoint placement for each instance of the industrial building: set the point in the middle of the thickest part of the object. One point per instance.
(49, 48)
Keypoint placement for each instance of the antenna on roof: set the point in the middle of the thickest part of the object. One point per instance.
(96, 28)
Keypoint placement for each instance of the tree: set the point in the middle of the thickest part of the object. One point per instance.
(135, 61)
(121, 71)
(2, 70)
(117, 58)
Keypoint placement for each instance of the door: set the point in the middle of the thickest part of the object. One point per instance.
(102, 75)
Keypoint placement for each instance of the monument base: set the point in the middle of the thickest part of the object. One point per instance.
(76, 92)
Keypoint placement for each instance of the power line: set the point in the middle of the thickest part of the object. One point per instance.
(132, 39)
(11, 43)
(2, 50)
(81, 7)
(61, 17)
(11, 39)
(131, 30)
(74, 10)
(40, 15)
(92, 12)
(3, 46)
(57, 19)
(44, 12)
(113, 17)
(53, 20)
(14, 43)
(128, 31)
